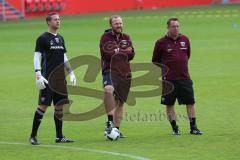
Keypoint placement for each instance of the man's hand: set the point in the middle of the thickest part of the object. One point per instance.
(129, 49)
(73, 78)
(116, 51)
(40, 81)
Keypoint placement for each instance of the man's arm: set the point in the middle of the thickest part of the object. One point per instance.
(128, 50)
(69, 70)
(40, 80)
(37, 61)
(107, 48)
(156, 58)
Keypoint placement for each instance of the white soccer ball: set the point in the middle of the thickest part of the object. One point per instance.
(113, 135)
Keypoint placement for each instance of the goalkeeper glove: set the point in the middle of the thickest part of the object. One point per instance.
(73, 78)
(40, 81)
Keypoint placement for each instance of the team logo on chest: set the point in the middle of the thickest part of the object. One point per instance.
(183, 44)
(57, 40)
(51, 42)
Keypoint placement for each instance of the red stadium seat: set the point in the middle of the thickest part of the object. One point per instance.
(59, 5)
(43, 5)
(51, 2)
(55, 5)
(28, 5)
(37, 6)
(31, 5)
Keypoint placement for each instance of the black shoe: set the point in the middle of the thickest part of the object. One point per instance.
(63, 140)
(195, 131)
(109, 126)
(122, 136)
(33, 141)
(176, 131)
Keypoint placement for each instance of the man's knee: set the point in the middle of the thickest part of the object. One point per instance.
(169, 106)
(120, 104)
(43, 107)
(108, 89)
(190, 105)
(58, 107)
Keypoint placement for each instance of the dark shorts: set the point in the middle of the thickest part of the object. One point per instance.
(120, 84)
(183, 92)
(47, 96)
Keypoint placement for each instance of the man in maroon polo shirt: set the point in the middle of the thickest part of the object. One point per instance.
(173, 51)
(116, 53)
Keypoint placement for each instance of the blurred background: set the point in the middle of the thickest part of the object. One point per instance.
(18, 9)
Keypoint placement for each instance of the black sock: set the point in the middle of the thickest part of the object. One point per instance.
(36, 121)
(110, 117)
(58, 115)
(192, 123)
(173, 124)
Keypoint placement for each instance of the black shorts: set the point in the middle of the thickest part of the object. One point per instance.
(47, 96)
(120, 84)
(183, 92)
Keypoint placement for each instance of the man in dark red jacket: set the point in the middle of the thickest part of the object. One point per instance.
(173, 51)
(116, 53)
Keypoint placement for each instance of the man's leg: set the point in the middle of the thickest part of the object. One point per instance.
(186, 96)
(36, 123)
(171, 114)
(109, 101)
(191, 111)
(118, 116)
(58, 119)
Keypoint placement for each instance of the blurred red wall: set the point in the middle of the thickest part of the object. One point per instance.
(93, 6)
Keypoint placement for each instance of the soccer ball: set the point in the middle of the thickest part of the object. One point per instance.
(113, 135)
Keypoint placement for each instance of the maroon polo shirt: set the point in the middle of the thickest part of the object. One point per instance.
(174, 54)
(117, 63)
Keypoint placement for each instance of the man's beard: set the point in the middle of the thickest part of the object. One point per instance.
(116, 31)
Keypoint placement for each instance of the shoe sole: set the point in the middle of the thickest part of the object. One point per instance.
(66, 142)
(196, 134)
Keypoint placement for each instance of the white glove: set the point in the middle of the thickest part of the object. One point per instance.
(73, 78)
(40, 81)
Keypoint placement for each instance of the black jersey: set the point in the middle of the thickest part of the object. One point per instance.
(52, 48)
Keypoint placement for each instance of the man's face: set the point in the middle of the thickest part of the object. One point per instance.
(174, 28)
(55, 22)
(117, 25)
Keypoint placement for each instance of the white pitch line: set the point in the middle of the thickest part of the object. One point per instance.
(81, 149)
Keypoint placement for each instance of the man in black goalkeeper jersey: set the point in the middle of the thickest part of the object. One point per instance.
(50, 53)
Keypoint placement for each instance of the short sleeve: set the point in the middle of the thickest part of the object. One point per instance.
(64, 50)
(40, 45)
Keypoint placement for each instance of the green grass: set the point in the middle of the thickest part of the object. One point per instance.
(214, 67)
